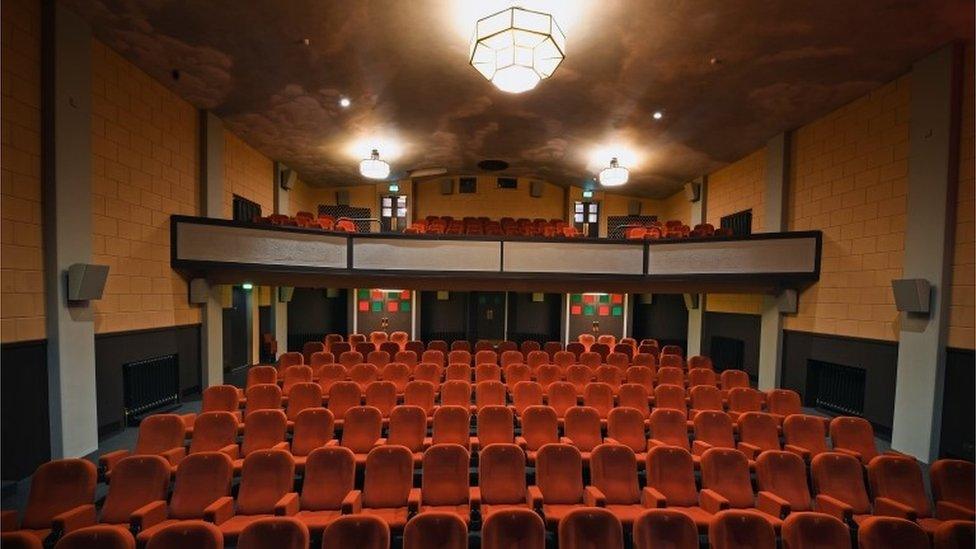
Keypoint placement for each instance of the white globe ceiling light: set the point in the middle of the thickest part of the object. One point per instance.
(517, 48)
(615, 175)
(373, 167)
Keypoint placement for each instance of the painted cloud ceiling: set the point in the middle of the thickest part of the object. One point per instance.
(728, 75)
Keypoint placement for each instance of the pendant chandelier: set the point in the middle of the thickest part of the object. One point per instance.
(615, 175)
(517, 48)
(373, 167)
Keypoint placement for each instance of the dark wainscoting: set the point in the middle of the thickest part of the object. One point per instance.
(25, 433)
(664, 319)
(445, 319)
(115, 349)
(878, 358)
(721, 331)
(312, 314)
(958, 405)
(536, 320)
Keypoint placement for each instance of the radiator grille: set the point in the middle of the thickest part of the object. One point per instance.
(836, 387)
(149, 385)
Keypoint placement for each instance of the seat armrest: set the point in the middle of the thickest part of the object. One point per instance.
(148, 515)
(711, 501)
(533, 496)
(107, 461)
(73, 519)
(653, 443)
(891, 508)
(332, 442)
(835, 507)
(219, 511)
(771, 504)
(474, 497)
(379, 442)
(698, 447)
(947, 510)
(8, 521)
(566, 440)
(851, 453)
(287, 505)
(413, 500)
(593, 497)
(352, 503)
(174, 455)
(798, 450)
(232, 450)
(750, 450)
(280, 446)
(609, 440)
(521, 442)
(652, 498)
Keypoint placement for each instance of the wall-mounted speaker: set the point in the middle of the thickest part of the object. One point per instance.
(287, 178)
(912, 295)
(692, 191)
(86, 281)
(645, 299)
(443, 296)
(691, 301)
(447, 186)
(536, 188)
(199, 291)
(634, 207)
(786, 302)
(538, 297)
(342, 198)
(285, 294)
(332, 293)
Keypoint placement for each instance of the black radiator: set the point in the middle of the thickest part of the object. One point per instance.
(297, 341)
(835, 387)
(150, 385)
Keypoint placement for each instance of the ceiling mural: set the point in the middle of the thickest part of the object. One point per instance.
(726, 76)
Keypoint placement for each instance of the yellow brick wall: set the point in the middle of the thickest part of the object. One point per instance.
(303, 198)
(145, 167)
(849, 177)
(247, 173)
(962, 308)
(489, 201)
(22, 277)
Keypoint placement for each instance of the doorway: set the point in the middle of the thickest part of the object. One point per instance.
(487, 320)
(237, 330)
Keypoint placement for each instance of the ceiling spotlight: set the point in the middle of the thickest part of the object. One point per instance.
(373, 167)
(658, 115)
(615, 175)
(345, 102)
(517, 48)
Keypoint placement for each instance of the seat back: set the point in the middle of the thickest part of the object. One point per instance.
(665, 528)
(483, 345)
(633, 395)
(364, 348)
(670, 397)
(340, 347)
(200, 480)
(529, 346)
(310, 348)
(715, 428)
(785, 475)
(461, 345)
(321, 359)
(408, 427)
(671, 361)
(899, 478)
(670, 375)
(563, 359)
(805, 431)
(350, 359)
(783, 402)
(361, 531)
(303, 396)
(293, 358)
(263, 429)
(547, 374)
(363, 374)
(429, 372)
(508, 528)
(378, 337)
(485, 357)
(601, 349)
(459, 357)
(668, 426)
(855, 434)
(159, 433)
(599, 396)
(613, 469)
(511, 357)
(626, 426)
(701, 376)
(887, 532)
(274, 533)
(590, 527)
(407, 357)
(451, 425)
(706, 397)
(591, 360)
(391, 348)
(672, 350)
(266, 477)
(745, 399)
(136, 481)
(586, 340)
(582, 426)
(398, 374)
(388, 477)
(220, 398)
(559, 474)
(726, 471)
(100, 536)
(490, 393)
(435, 529)
(264, 396)
(362, 429)
(731, 379)
(540, 426)
(501, 474)
(671, 471)
(619, 360)
(516, 373)
(213, 431)
(416, 346)
(645, 359)
(378, 358)
(736, 529)
(641, 375)
(420, 393)
(456, 393)
(495, 425)
(611, 375)
(525, 394)
(953, 481)
(381, 395)
(699, 361)
(487, 372)
(437, 345)
(261, 374)
(445, 475)
(955, 534)
(535, 359)
(759, 430)
(342, 396)
(815, 530)
(313, 429)
(330, 374)
(841, 477)
(194, 533)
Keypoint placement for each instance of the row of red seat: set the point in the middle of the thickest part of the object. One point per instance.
(310, 221)
(673, 230)
(137, 497)
(401, 338)
(483, 226)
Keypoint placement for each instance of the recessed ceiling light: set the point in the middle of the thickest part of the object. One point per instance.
(345, 102)
(658, 115)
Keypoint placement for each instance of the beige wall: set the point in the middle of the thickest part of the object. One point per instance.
(22, 277)
(677, 207)
(489, 201)
(247, 173)
(962, 308)
(145, 164)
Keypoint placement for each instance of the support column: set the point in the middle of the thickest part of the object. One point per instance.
(774, 220)
(696, 315)
(932, 181)
(67, 177)
(212, 205)
(279, 309)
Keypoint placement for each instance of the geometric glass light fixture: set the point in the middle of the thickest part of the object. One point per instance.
(516, 48)
(373, 167)
(615, 175)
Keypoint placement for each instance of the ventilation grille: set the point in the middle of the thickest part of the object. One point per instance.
(835, 387)
(149, 385)
(740, 222)
(617, 224)
(350, 212)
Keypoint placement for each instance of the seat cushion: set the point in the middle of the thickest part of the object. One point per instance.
(626, 513)
(395, 517)
(463, 511)
(929, 525)
(232, 527)
(555, 512)
(701, 517)
(316, 521)
(143, 536)
(487, 509)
